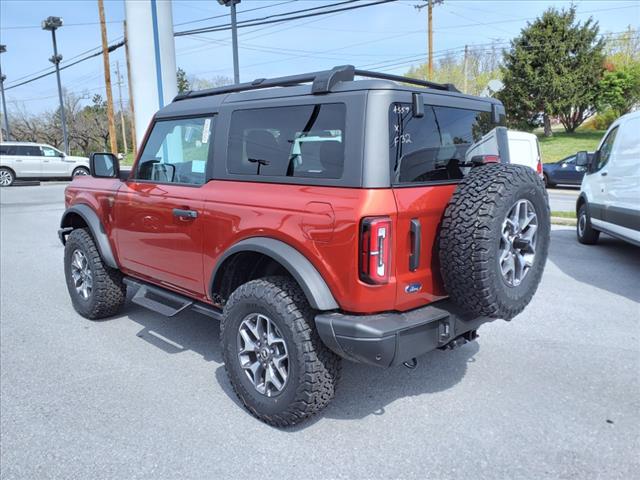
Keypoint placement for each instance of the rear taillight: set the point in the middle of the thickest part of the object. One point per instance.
(375, 250)
(539, 167)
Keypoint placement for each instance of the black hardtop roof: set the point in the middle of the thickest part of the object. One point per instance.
(338, 79)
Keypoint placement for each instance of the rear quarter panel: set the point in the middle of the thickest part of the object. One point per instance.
(320, 222)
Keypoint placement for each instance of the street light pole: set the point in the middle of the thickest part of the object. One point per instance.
(234, 37)
(52, 24)
(3, 48)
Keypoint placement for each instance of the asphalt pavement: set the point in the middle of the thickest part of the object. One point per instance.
(563, 199)
(552, 394)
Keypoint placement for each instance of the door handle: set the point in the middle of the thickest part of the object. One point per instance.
(416, 241)
(184, 213)
(603, 174)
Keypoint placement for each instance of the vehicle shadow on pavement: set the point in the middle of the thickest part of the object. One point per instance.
(598, 265)
(188, 331)
(362, 391)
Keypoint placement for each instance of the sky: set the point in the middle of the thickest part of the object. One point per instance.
(388, 37)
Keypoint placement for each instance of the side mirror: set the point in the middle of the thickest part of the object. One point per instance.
(582, 159)
(104, 165)
(63, 155)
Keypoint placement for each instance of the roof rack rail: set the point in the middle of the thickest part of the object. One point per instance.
(322, 82)
(414, 81)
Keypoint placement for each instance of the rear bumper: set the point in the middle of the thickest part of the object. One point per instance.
(388, 339)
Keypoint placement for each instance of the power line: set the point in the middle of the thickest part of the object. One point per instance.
(266, 21)
(227, 14)
(113, 47)
(24, 27)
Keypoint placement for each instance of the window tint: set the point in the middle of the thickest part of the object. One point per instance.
(7, 150)
(28, 150)
(300, 141)
(605, 149)
(50, 152)
(177, 151)
(432, 147)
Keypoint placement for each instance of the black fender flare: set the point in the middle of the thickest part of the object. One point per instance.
(300, 268)
(98, 232)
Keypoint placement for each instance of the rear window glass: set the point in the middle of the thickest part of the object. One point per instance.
(432, 147)
(298, 141)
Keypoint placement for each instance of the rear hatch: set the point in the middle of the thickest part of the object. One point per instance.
(427, 158)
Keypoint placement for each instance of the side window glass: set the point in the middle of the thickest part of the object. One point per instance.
(571, 161)
(606, 148)
(49, 152)
(177, 151)
(298, 141)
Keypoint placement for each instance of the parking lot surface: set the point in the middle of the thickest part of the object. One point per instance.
(552, 394)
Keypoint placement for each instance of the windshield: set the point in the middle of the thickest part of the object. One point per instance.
(433, 147)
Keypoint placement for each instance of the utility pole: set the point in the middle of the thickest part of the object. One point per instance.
(134, 146)
(107, 79)
(464, 70)
(52, 24)
(430, 4)
(234, 37)
(3, 49)
(122, 123)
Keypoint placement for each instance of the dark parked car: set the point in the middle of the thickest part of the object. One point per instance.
(564, 171)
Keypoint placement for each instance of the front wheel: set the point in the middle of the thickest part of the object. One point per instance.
(96, 290)
(6, 177)
(275, 360)
(585, 232)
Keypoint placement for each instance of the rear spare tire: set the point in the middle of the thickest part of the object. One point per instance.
(494, 240)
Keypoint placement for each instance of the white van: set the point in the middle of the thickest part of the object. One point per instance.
(609, 199)
(37, 160)
(524, 148)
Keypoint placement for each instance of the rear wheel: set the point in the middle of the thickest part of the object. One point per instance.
(81, 171)
(494, 240)
(275, 360)
(547, 183)
(7, 177)
(585, 232)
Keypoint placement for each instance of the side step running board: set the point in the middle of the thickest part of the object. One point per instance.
(165, 302)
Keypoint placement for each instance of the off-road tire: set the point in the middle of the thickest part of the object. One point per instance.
(470, 237)
(313, 369)
(7, 174)
(109, 292)
(584, 230)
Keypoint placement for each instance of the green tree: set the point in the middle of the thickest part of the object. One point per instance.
(620, 90)
(183, 82)
(553, 67)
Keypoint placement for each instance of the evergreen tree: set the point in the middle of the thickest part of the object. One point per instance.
(554, 68)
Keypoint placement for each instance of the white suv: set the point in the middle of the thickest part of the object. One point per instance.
(610, 194)
(37, 160)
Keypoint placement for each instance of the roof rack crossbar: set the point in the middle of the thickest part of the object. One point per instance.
(414, 81)
(322, 82)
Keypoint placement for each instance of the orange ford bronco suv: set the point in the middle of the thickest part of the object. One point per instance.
(318, 217)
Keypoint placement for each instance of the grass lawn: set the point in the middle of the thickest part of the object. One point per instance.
(127, 160)
(563, 214)
(563, 144)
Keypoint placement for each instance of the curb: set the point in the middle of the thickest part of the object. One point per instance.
(563, 221)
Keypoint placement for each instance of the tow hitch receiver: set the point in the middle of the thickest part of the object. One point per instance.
(466, 337)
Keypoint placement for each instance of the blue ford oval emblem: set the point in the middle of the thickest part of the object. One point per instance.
(413, 287)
